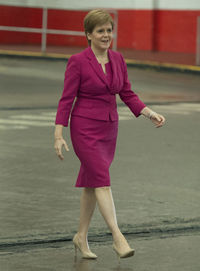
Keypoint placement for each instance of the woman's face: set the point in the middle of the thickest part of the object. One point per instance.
(101, 37)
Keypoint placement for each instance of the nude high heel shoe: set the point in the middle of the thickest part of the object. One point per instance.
(126, 254)
(85, 255)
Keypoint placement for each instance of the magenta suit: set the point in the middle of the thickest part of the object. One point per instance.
(94, 117)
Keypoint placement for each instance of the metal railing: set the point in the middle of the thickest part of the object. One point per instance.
(44, 31)
(198, 42)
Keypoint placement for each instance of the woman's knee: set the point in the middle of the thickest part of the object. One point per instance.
(102, 189)
(88, 189)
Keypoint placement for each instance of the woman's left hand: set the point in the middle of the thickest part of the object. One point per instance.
(157, 119)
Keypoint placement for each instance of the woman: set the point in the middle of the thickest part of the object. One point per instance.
(94, 77)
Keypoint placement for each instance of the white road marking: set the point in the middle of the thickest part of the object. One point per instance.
(46, 119)
(53, 114)
(33, 117)
(28, 123)
(125, 113)
(126, 117)
(179, 108)
(13, 127)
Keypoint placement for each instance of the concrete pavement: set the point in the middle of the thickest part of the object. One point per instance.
(171, 61)
(36, 83)
(155, 176)
(159, 254)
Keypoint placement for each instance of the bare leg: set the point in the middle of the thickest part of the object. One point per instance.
(107, 209)
(87, 206)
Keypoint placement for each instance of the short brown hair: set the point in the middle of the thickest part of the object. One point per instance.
(96, 17)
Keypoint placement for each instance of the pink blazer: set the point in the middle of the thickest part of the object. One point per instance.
(95, 97)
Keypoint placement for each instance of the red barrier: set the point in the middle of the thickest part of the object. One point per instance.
(159, 30)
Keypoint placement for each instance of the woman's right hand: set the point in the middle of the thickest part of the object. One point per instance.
(59, 142)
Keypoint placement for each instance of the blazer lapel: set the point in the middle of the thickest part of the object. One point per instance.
(96, 66)
(113, 67)
(117, 76)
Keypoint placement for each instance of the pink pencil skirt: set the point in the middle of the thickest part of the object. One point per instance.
(94, 142)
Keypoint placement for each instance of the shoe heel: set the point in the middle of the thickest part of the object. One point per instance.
(85, 255)
(75, 250)
(123, 255)
(117, 254)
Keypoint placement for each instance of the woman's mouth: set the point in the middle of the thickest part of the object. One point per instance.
(105, 41)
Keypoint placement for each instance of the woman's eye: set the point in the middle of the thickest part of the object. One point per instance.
(102, 30)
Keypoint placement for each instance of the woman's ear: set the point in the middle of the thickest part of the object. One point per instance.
(88, 36)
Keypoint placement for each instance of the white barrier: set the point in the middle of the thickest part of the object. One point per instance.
(108, 4)
(198, 43)
(44, 30)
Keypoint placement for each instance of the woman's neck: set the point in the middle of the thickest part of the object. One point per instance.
(99, 53)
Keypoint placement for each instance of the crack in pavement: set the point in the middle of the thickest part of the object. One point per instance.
(163, 229)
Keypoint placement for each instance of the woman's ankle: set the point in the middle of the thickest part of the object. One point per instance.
(119, 239)
(117, 234)
(82, 235)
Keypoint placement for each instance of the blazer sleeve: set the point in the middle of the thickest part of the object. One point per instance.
(130, 98)
(70, 90)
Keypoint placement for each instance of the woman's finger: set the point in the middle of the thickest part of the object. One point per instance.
(60, 155)
(160, 124)
(158, 120)
(66, 147)
(58, 147)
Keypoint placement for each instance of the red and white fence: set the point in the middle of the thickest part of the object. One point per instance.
(154, 25)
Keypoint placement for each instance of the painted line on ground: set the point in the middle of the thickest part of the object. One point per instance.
(33, 117)
(46, 119)
(28, 123)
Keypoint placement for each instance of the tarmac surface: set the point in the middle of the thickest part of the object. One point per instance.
(155, 175)
(167, 61)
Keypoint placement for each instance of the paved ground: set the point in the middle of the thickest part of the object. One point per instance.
(155, 176)
(29, 83)
(150, 56)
